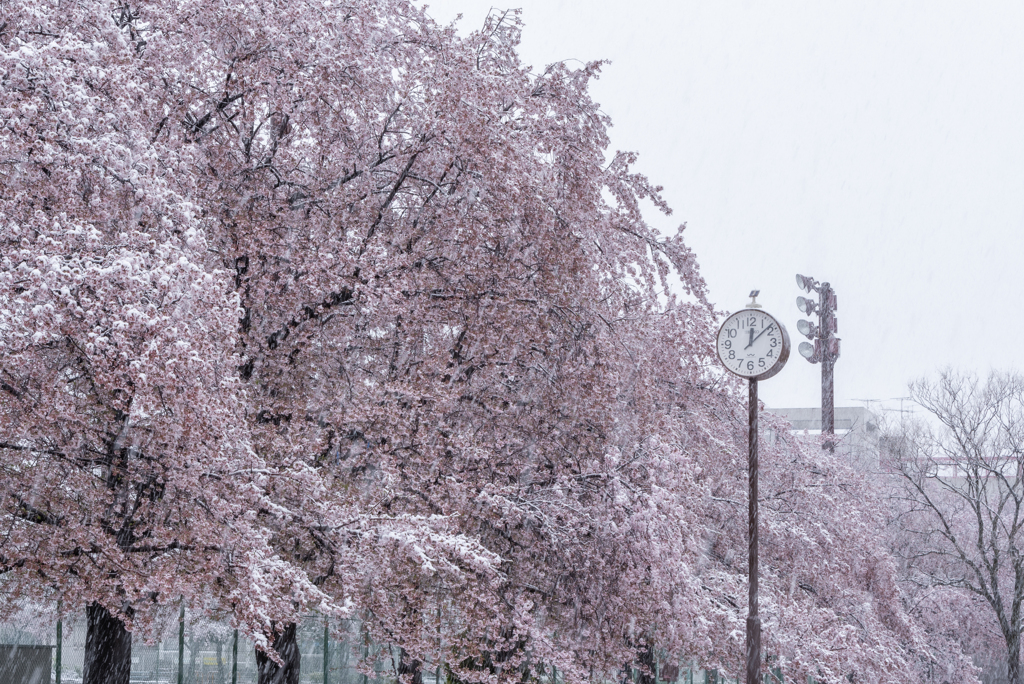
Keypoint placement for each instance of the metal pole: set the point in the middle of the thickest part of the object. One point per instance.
(181, 644)
(828, 363)
(325, 651)
(60, 639)
(366, 653)
(753, 618)
(234, 658)
(828, 424)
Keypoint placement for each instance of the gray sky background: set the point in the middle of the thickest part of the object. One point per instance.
(878, 145)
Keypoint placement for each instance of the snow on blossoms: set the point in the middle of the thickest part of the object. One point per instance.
(321, 306)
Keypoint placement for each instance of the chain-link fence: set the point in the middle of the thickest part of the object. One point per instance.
(193, 649)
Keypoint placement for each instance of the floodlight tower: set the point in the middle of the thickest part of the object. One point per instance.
(825, 349)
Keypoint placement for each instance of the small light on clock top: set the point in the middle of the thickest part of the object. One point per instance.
(752, 343)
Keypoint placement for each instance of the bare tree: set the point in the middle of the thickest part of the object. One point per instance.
(960, 478)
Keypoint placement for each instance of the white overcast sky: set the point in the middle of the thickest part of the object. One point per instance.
(878, 145)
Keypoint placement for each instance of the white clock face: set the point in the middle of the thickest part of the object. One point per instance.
(752, 344)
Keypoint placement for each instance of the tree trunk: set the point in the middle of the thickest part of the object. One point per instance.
(1013, 660)
(108, 648)
(410, 666)
(645, 659)
(287, 646)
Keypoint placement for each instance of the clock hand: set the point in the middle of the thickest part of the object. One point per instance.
(760, 333)
(751, 339)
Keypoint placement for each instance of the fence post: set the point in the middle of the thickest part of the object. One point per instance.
(326, 652)
(181, 644)
(60, 639)
(366, 654)
(234, 658)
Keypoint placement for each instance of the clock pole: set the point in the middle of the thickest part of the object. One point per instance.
(753, 618)
(763, 356)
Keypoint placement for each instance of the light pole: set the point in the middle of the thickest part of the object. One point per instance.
(825, 349)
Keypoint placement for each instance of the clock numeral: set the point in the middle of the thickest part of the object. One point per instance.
(732, 353)
(760, 362)
(750, 365)
(773, 341)
(771, 352)
(732, 332)
(727, 344)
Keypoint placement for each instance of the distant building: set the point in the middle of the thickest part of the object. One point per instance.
(856, 428)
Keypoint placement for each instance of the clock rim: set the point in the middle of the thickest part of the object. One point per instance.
(780, 361)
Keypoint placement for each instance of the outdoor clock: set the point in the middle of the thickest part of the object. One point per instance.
(752, 343)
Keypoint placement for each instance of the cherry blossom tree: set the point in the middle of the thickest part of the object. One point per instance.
(323, 306)
(128, 473)
(422, 293)
(837, 576)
